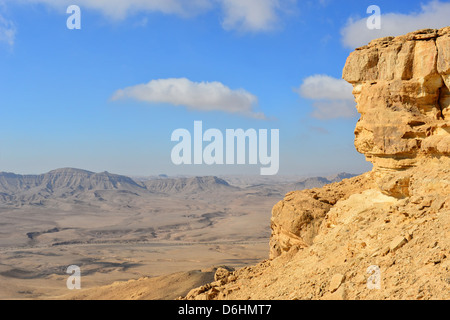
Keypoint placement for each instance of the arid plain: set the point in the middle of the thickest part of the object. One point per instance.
(116, 228)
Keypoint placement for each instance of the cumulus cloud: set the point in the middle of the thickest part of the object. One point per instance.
(250, 15)
(7, 31)
(434, 14)
(334, 109)
(120, 9)
(243, 15)
(332, 97)
(200, 96)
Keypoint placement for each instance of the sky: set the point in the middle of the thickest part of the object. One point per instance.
(108, 96)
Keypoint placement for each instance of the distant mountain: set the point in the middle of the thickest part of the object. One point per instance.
(64, 180)
(310, 183)
(81, 184)
(188, 185)
(61, 183)
(319, 182)
(279, 186)
(341, 176)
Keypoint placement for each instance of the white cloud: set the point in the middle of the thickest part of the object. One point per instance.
(325, 87)
(7, 31)
(332, 97)
(433, 15)
(250, 15)
(200, 96)
(242, 15)
(330, 109)
(120, 9)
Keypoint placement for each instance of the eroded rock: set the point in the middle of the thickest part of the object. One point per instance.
(401, 86)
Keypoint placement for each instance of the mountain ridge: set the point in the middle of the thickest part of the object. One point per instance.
(65, 183)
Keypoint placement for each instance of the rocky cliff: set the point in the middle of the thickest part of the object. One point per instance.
(327, 242)
(401, 86)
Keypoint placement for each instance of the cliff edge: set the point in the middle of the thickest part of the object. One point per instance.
(384, 234)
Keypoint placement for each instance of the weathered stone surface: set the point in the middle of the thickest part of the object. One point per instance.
(336, 282)
(297, 219)
(222, 273)
(397, 243)
(401, 89)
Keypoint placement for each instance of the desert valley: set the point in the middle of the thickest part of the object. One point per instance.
(118, 228)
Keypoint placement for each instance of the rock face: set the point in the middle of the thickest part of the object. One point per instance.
(401, 86)
(396, 218)
(297, 219)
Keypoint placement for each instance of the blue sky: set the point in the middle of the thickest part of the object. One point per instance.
(97, 98)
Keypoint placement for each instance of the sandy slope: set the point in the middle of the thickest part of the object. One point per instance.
(166, 287)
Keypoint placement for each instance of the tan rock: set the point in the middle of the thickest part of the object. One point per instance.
(340, 294)
(401, 93)
(336, 282)
(397, 243)
(297, 219)
(443, 46)
(222, 273)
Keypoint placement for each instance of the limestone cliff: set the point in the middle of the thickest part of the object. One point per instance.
(396, 217)
(402, 92)
(401, 86)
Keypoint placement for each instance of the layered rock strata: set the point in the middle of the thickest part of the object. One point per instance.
(401, 86)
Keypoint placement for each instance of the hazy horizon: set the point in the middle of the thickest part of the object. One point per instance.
(182, 175)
